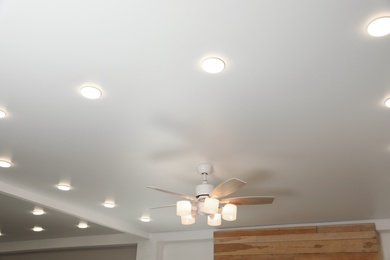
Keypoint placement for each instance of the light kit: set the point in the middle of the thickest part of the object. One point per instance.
(210, 201)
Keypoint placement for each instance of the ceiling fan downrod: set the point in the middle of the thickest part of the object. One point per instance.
(204, 189)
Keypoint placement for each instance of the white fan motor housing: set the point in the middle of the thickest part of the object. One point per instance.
(203, 189)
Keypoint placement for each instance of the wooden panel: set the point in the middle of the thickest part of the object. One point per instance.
(341, 242)
(295, 247)
(296, 237)
(255, 257)
(341, 256)
(268, 257)
(265, 232)
(228, 257)
(230, 240)
(346, 228)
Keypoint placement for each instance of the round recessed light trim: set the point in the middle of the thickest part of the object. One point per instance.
(37, 229)
(379, 27)
(213, 65)
(5, 164)
(109, 204)
(2, 113)
(38, 211)
(63, 186)
(387, 102)
(82, 224)
(145, 216)
(145, 219)
(91, 92)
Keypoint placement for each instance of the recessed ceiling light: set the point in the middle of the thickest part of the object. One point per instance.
(145, 219)
(213, 65)
(387, 102)
(63, 186)
(145, 216)
(38, 211)
(90, 92)
(5, 164)
(2, 113)
(379, 27)
(82, 224)
(109, 204)
(37, 229)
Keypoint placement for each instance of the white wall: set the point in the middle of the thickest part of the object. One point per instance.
(385, 244)
(188, 250)
(191, 245)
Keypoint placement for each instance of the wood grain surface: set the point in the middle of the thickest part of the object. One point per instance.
(357, 242)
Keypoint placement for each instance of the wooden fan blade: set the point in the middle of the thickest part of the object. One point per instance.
(227, 188)
(172, 193)
(161, 207)
(250, 200)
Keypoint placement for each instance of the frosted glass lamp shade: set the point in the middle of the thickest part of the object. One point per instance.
(229, 212)
(183, 208)
(187, 220)
(214, 220)
(211, 206)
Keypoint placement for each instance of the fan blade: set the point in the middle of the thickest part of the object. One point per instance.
(172, 193)
(250, 200)
(227, 188)
(162, 207)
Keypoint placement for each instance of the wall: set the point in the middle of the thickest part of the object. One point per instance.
(191, 245)
(68, 242)
(182, 245)
(197, 250)
(115, 253)
(384, 238)
(167, 246)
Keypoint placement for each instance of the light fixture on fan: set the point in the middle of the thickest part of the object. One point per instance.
(209, 201)
(205, 206)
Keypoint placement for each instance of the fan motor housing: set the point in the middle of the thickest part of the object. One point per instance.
(203, 189)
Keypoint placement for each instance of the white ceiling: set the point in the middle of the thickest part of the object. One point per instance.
(298, 112)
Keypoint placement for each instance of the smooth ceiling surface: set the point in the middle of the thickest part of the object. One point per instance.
(17, 222)
(298, 112)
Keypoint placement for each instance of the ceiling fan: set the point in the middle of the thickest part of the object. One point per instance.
(211, 201)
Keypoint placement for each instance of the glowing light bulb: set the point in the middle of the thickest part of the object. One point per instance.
(38, 211)
(63, 186)
(379, 27)
(82, 224)
(213, 65)
(37, 229)
(91, 92)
